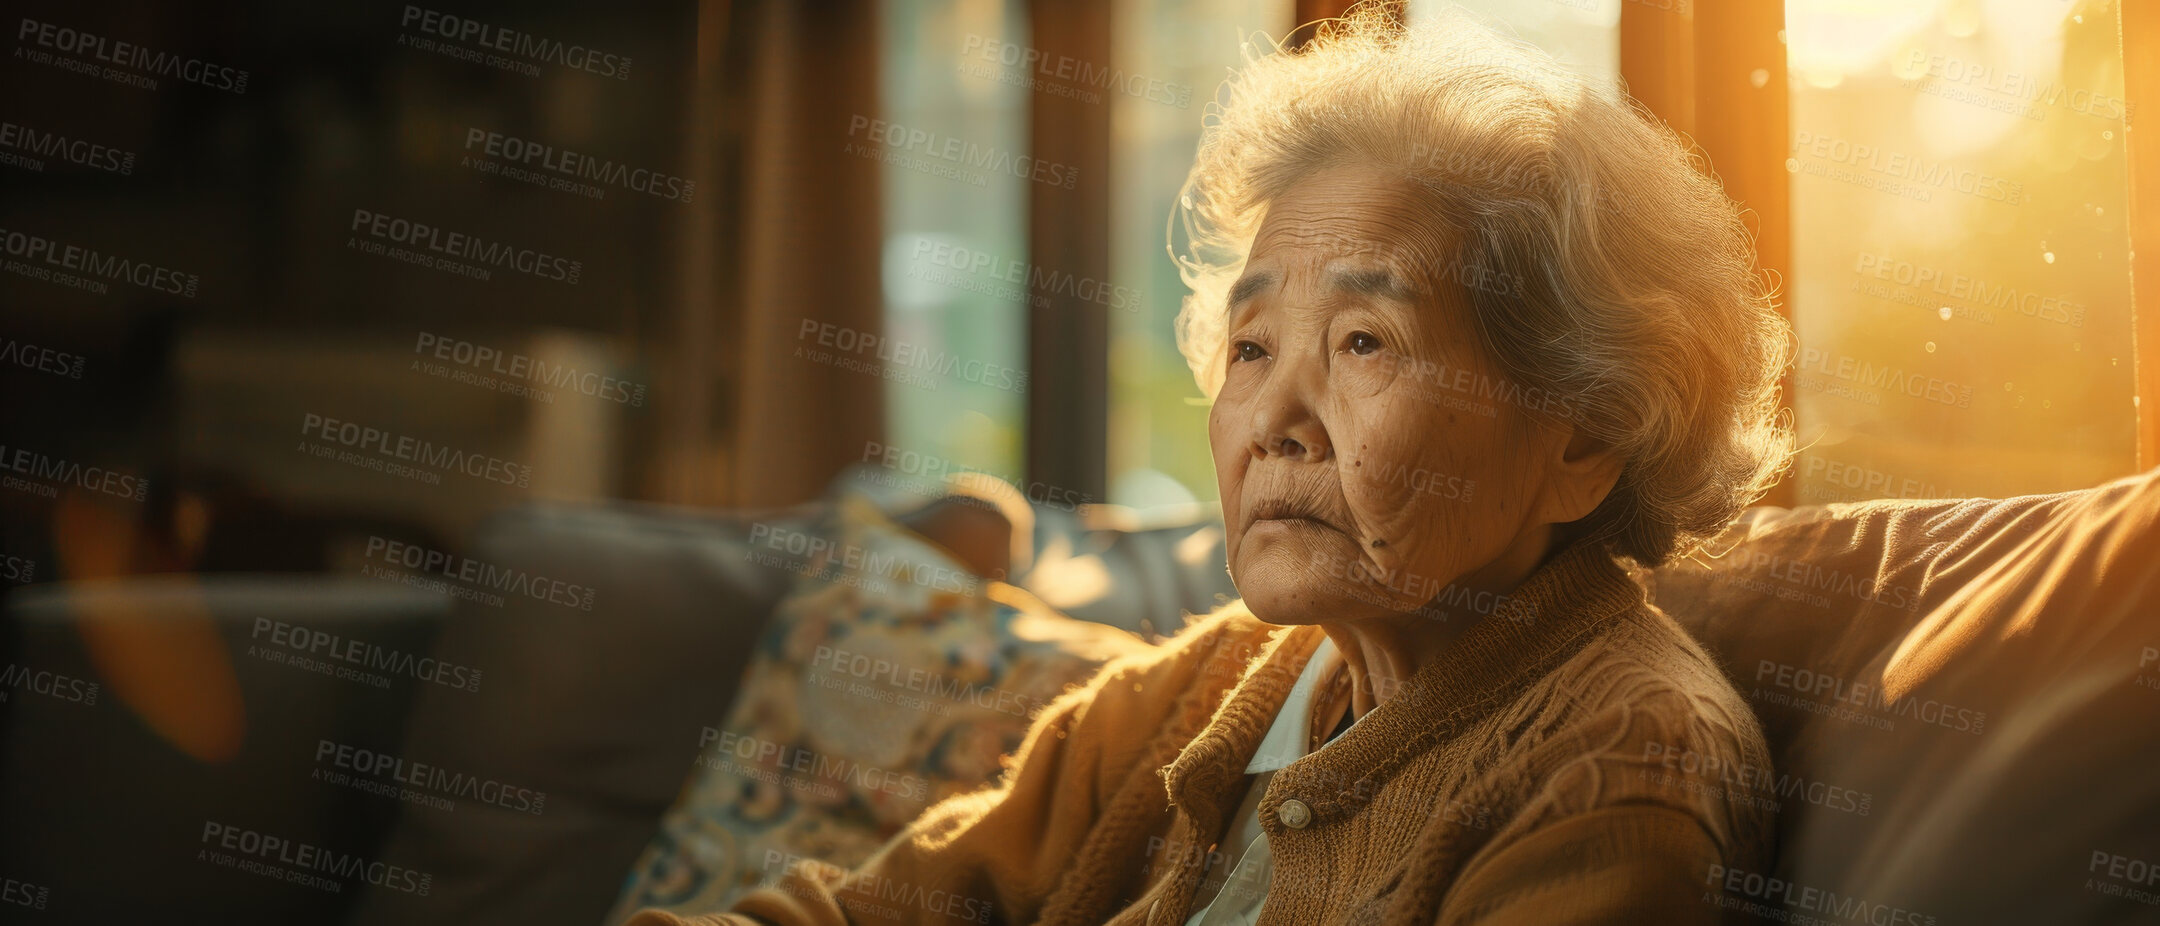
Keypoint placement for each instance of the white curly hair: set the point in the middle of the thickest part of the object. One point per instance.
(1635, 297)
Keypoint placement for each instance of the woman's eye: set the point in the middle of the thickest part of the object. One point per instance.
(1247, 350)
(1362, 343)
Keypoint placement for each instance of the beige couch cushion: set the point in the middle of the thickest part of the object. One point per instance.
(1962, 699)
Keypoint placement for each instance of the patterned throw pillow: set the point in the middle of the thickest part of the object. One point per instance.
(887, 680)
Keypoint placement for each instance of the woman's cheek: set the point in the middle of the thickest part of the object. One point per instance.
(1369, 377)
(1387, 469)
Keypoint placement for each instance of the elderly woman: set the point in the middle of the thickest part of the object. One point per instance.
(1478, 335)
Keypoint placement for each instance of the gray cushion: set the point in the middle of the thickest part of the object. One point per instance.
(109, 816)
(600, 710)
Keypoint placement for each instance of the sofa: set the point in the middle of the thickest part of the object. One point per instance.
(104, 807)
(1962, 698)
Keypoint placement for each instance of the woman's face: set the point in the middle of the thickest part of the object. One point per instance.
(1367, 453)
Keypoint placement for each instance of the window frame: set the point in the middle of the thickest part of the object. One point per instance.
(1678, 58)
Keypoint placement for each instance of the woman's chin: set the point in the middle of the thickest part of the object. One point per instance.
(1289, 603)
(1299, 581)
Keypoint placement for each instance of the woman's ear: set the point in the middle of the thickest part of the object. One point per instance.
(1580, 472)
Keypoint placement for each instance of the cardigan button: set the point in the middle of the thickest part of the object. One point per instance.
(1294, 814)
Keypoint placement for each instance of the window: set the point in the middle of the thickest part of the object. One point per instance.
(1960, 286)
(1158, 420)
(953, 229)
(1957, 274)
(1581, 34)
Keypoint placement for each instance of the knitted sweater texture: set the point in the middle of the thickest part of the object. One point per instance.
(1573, 758)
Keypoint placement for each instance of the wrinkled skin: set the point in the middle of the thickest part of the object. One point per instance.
(1359, 478)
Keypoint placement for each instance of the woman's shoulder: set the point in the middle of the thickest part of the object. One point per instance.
(1645, 638)
(1644, 670)
(1647, 714)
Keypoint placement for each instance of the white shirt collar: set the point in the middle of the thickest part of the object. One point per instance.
(1286, 737)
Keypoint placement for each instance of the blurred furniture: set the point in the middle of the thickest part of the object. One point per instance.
(516, 396)
(603, 710)
(1960, 698)
(1982, 677)
(109, 817)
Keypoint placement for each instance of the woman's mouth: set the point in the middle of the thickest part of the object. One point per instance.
(1279, 511)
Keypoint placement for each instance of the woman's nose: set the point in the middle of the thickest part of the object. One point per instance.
(1291, 448)
(1285, 424)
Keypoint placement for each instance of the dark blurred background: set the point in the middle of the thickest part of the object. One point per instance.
(924, 236)
(255, 193)
(822, 293)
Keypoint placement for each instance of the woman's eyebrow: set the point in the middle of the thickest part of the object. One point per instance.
(1370, 281)
(1250, 285)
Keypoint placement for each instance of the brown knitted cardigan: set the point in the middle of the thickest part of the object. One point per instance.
(1573, 758)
